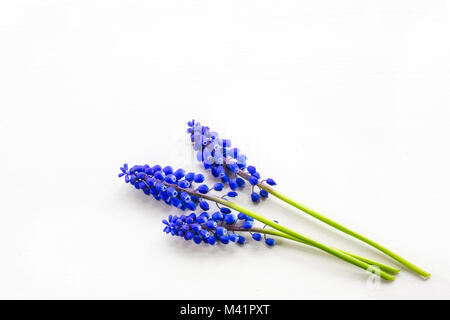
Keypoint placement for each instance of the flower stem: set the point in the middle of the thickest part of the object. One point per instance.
(382, 266)
(254, 215)
(336, 225)
(334, 252)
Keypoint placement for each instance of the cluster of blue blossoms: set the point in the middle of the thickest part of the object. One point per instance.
(163, 183)
(218, 227)
(225, 162)
(184, 191)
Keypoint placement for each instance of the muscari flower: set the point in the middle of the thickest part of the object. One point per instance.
(230, 165)
(212, 229)
(178, 189)
(225, 162)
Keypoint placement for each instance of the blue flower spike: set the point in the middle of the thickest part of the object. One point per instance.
(209, 231)
(225, 162)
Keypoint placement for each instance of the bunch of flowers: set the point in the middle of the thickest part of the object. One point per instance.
(188, 192)
(228, 164)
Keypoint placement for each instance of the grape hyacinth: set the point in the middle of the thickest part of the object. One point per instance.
(228, 164)
(181, 190)
(218, 228)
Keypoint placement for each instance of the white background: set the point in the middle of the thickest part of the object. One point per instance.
(344, 103)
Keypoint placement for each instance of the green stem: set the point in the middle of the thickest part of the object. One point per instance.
(334, 252)
(382, 266)
(254, 215)
(341, 228)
